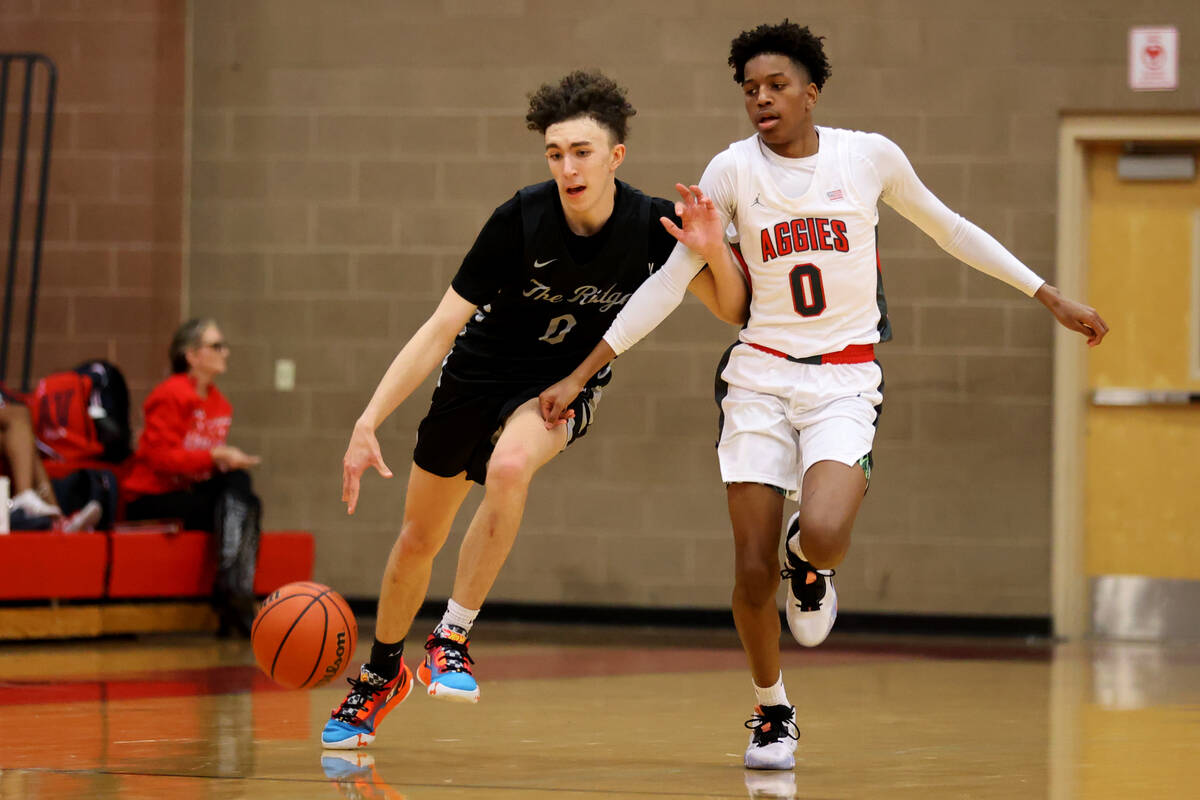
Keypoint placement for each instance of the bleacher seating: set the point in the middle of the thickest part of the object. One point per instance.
(55, 585)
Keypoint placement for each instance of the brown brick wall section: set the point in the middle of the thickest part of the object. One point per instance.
(112, 252)
(346, 155)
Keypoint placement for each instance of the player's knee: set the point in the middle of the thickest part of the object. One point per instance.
(756, 578)
(508, 471)
(758, 589)
(417, 541)
(824, 540)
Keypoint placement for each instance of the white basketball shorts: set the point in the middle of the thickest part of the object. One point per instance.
(779, 417)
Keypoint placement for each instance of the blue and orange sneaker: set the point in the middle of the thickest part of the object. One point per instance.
(446, 670)
(354, 775)
(371, 698)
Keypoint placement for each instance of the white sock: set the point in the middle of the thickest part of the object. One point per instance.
(772, 695)
(459, 617)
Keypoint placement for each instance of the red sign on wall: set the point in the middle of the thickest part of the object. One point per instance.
(1154, 59)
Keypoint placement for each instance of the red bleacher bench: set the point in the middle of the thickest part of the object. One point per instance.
(80, 566)
(64, 566)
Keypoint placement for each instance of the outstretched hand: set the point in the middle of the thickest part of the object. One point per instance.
(227, 457)
(702, 230)
(362, 452)
(553, 402)
(1072, 315)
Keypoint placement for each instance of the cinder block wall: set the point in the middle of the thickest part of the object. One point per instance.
(346, 154)
(113, 246)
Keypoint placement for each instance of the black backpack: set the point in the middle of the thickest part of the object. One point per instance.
(108, 406)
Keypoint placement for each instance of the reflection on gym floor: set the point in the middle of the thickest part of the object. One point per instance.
(606, 712)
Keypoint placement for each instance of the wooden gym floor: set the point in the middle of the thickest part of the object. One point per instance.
(605, 712)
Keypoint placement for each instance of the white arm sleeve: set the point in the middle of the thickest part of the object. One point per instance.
(663, 291)
(654, 300)
(961, 238)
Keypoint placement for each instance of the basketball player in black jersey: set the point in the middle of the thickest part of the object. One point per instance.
(545, 278)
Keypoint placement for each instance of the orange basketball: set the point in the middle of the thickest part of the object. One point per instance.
(304, 635)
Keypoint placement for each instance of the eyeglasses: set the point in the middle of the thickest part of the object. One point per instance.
(220, 347)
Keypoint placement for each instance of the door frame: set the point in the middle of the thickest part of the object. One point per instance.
(1068, 589)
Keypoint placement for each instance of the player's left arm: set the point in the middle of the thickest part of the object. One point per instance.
(966, 241)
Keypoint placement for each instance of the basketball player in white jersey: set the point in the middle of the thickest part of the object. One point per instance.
(803, 388)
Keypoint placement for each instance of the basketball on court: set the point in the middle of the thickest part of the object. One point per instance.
(304, 635)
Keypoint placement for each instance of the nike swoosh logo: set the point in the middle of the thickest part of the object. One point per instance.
(539, 264)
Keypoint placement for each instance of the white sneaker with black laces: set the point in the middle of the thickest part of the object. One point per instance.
(773, 738)
(812, 600)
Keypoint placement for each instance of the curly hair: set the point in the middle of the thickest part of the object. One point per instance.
(798, 43)
(581, 94)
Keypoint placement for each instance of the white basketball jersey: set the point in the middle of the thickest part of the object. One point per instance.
(811, 260)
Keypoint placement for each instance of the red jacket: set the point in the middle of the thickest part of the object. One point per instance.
(181, 428)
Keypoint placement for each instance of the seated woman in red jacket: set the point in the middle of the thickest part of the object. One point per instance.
(183, 469)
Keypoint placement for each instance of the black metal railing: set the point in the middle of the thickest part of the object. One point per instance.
(21, 69)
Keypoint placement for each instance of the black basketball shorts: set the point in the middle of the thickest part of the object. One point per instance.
(466, 418)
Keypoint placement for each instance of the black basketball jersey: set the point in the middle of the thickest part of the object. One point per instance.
(546, 296)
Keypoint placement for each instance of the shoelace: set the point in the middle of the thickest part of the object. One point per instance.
(809, 594)
(773, 723)
(361, 691)
(455, 657)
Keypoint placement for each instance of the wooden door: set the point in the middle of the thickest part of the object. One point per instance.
(1142, 498)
